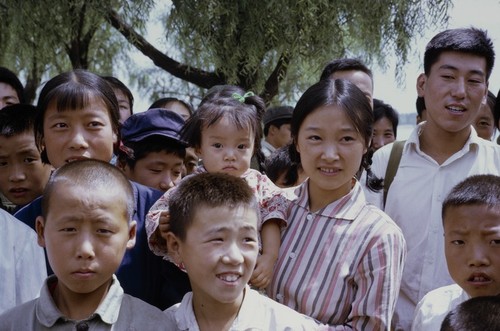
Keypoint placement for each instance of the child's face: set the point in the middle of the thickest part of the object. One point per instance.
(383, 133)
(78, 134)
(472, 248)
(330, 150)
(485, 123)
(225, 148)
(22, 174)
(219, 252)
(86, 233)
(160, 170)
(123, 104)
(8, 95)
(179, 109)
(453, 91)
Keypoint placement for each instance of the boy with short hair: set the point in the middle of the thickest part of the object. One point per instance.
(213, 234)
(438, 154)
(471, 222)
(476, 314)
(152, 151)
(86, 226)
(22, 174)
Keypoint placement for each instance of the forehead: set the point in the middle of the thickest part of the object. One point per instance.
(357, 77)
(227, 217)
(471, 217)
(460, 61)
(17, 143)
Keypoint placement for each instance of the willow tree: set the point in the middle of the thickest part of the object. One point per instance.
(45, 37)
(262, 45)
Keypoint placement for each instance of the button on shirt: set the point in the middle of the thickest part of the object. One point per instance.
(414, 202)
(341, 265)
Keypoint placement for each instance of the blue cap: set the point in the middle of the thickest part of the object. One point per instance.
(152, 122)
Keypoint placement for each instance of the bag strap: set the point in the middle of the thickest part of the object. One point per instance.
(392, 167)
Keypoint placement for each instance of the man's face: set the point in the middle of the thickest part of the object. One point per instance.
(358, 78)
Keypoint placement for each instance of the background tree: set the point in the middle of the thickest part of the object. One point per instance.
(275, 48)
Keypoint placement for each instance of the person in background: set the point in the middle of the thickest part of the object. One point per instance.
(22, 263)
(124, 97)
(385, 128)
(276, 122)
(185, 110)
(354, 71)
(471, 224)
(421, 113)
(485, 121)
(23, 175)
(152, 152)
(87, 224)
(281, 170)
(11, 89)
(438, 154)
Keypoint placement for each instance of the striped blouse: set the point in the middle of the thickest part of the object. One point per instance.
(341, 265)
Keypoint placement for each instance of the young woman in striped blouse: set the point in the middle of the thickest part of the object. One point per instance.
(340, 259)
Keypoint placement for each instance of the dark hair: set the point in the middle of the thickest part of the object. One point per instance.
(278, 163)
(226, 101)
(420, 105)
(162, 103)
(474, 190)
(206, 190)
(345, 64)
(381, 110)
(465, 40)
(17, 119)
(277, 123)
(352, 101)
(74, 90)
(118, 84)
(10, 78)
(132, 152)
(92, 175)
(476, 314)
(496, 108)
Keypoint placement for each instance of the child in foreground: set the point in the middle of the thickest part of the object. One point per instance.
(225, 132)
(213, 233)
(86, 226)
(475, 314)
(471, 222)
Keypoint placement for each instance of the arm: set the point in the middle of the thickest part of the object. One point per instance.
(271, 239)
(152, 223)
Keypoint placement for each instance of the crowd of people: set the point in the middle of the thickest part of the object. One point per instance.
(238, 216)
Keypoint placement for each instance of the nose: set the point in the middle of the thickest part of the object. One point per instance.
(229, 154)
(17, 174)
(78, 139)
(459, 88)
(232, 255)
(166, 182)
(85, 247)
(478, 256)
(2, 104)
(330, 152)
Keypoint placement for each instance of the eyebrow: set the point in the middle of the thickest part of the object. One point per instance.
(450, 67)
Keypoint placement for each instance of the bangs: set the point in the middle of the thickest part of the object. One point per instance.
(73, 97)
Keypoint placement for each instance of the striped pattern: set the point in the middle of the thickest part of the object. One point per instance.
(341, 265)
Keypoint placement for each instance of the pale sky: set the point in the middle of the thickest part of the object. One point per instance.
(484, 14)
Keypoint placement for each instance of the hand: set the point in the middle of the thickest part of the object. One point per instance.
(164, 224)
(263, 271)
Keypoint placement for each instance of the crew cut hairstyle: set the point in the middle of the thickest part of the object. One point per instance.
(17, 119)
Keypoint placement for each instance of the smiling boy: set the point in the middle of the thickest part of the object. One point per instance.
(86, 226)
(471, 220)
(213, 234)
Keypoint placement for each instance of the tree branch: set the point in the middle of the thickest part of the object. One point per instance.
(196, 76)
(271, 86)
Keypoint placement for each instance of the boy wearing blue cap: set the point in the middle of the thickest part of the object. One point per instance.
(152, 152)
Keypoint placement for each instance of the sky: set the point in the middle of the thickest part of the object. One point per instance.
(484, 14)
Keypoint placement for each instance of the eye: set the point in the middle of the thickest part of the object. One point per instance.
(95, 124)
(3, 163)
(495, 242)
(30, 160)
(68, 229)
(104, 231)
(447, 76)
(348, 138)
(458, 242)
(176, 173)
(217, 145)
(60, 125)
(155, 171)
(314, 138)
(242, 146)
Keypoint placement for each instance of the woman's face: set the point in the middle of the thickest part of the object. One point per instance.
(331, 150)
(71, 135)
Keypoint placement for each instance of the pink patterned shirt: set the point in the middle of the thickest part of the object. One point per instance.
(341, 265)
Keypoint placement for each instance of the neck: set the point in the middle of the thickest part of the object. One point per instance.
(79, 306)
(440, 144)
(216, 316)
(319, 199)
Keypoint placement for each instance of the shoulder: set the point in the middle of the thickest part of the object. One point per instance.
(30, 212)
(21, 317)
(141, 313)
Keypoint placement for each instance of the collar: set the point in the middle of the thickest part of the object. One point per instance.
(347, 207)
(108, 310)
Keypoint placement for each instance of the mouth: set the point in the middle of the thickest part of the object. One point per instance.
(76, 158)
(456, 109)
(229, 277)
(229, 168)
(329, 171)
(18, 192)
(479, 279)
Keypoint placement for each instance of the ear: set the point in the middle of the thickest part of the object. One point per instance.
(40, 230)
(174, 247)
(132, 231)
(421, 81)
(197, 150)
(115, 138)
